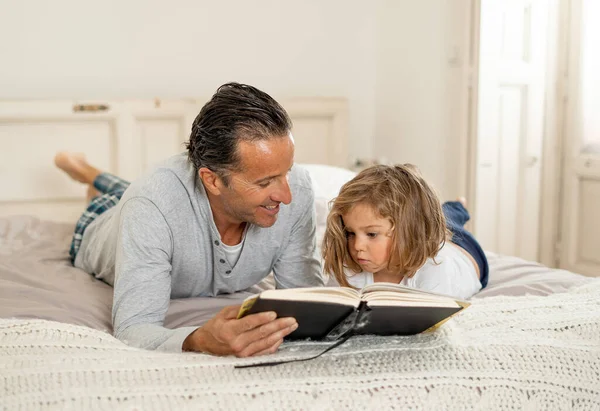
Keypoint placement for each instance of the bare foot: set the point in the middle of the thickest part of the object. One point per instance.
(76, 166)
(462, 200)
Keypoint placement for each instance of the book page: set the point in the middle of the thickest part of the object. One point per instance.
(405, 292)
(337, 295)
(391, 287)
(407, 297)
(414, 303)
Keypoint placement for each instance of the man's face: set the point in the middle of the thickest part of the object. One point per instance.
(255, 193)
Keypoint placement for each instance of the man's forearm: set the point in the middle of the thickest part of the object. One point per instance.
(154, 337)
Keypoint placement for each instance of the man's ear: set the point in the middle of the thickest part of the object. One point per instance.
(210, 179)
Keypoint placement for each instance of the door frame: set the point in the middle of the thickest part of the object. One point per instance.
(470, 147)
(560, 65)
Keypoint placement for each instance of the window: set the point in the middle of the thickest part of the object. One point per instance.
(590, 76)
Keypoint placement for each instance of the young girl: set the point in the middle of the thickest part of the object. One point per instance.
(387, 225)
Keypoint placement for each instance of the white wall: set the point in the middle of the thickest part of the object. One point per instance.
(388, 57)
(187, 48)
(421, 56)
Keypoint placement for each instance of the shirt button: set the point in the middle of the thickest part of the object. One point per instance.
(228, 272)
(222, 261)
(216, 242)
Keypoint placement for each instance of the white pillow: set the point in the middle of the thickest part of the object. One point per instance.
(327, 181)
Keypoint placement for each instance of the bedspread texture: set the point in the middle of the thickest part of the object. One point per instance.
(527, 352)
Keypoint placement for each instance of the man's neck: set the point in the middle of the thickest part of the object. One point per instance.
(231, 232)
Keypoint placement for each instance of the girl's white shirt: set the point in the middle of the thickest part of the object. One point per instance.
(451, 274)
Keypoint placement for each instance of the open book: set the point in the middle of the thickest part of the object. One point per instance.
(379, 308)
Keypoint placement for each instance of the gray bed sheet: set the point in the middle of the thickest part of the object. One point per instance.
(37, 280)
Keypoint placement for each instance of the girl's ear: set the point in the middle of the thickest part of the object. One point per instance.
(211, 181)
(392, 229)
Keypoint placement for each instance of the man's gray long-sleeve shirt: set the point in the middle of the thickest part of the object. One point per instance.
(160, 242)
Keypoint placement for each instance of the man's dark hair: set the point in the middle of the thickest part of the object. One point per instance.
(236, 112)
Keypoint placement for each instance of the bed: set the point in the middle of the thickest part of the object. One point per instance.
(530, 340)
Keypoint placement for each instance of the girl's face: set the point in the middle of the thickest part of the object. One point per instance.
(369, 238)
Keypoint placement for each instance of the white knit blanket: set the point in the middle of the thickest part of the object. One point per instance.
(500, 353)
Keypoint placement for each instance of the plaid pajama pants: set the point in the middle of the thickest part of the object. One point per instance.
(111, 188)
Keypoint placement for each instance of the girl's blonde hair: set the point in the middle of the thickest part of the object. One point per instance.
(400, 194)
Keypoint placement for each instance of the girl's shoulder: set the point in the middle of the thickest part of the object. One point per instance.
(440, 264)
(447, 273)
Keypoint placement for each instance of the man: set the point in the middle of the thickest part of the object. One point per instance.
(213, 221)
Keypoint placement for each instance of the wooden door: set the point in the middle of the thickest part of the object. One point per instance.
(512, 69)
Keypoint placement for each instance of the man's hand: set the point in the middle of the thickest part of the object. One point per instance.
(255, 334)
